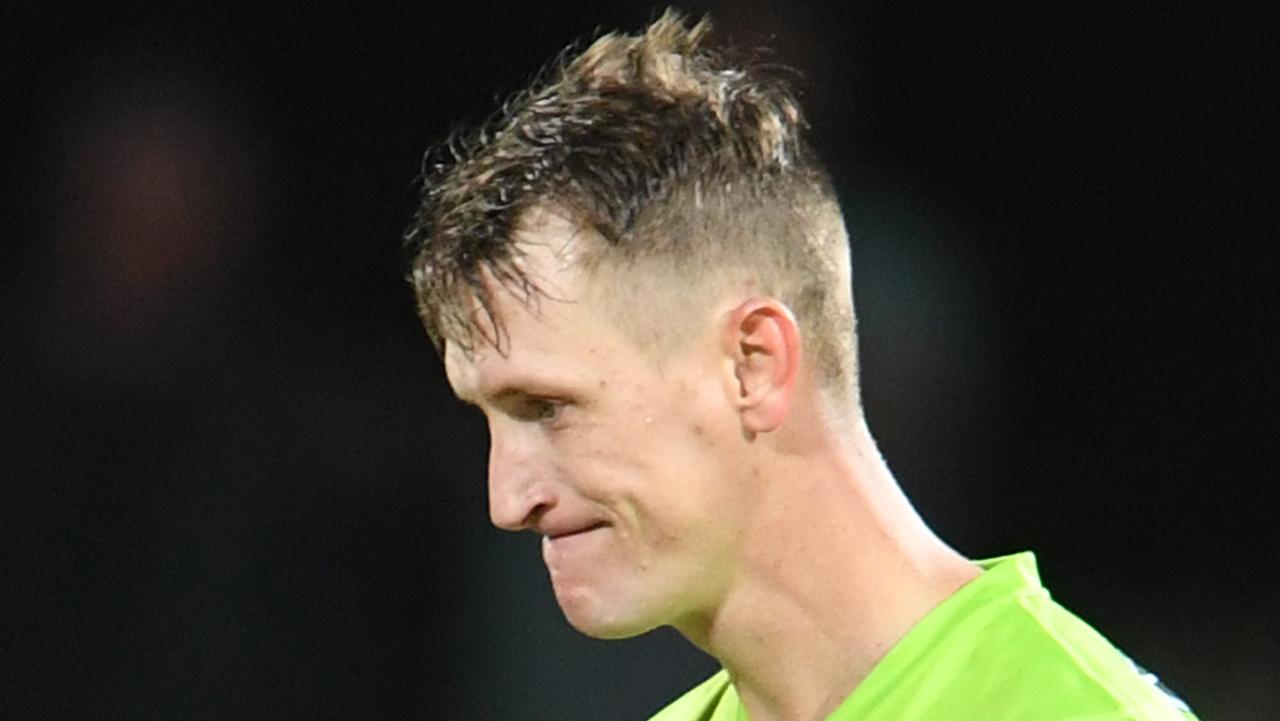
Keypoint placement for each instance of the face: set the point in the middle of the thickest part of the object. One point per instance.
(619, 461)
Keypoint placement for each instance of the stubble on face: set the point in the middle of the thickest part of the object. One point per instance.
(633, 449)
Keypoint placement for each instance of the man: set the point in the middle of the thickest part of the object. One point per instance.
(640, 273)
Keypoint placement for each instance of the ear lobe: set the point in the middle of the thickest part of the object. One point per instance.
(763, 340)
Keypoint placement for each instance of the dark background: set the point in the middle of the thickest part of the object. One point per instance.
(235, 485)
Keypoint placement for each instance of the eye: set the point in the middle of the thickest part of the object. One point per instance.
(533, 408)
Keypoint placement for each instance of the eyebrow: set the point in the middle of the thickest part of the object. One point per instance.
(501, 392)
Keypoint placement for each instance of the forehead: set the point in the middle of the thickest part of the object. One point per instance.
(542, 333)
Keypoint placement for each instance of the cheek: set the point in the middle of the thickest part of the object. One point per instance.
(657, 461)
(632, 470)
(681, 495)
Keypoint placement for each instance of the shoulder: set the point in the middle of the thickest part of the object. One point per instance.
(699, 703)
(1047, 662)
(1001, 649)
(1054, 662)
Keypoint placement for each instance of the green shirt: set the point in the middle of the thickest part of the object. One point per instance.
(999, 649)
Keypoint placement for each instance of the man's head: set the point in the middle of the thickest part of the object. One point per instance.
(687, 176)
(632, 271)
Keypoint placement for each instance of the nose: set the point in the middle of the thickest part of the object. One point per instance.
(517, 493)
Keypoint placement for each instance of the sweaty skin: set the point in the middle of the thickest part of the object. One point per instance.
(717, 489)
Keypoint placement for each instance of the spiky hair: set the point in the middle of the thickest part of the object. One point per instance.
(654, 142)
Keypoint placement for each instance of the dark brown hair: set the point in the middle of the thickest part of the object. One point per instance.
(670, 155)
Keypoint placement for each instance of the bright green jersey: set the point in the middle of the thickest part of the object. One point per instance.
(999, 649)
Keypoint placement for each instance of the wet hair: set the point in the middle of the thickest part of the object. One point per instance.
(681, 164)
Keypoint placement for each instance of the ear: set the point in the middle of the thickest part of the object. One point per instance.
(762, 341)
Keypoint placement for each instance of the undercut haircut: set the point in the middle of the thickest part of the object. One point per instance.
(690, 172)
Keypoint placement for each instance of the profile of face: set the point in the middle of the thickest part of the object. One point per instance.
(623, 463)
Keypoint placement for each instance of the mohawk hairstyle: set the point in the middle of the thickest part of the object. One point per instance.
(655, 143)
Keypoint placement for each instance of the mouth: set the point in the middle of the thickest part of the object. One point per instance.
(576, 531)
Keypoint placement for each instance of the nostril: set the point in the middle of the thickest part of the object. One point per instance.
(519, 508)
(506, 513)
(534, 518)
(518, 493)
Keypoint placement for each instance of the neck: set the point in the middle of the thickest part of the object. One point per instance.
(836, 569)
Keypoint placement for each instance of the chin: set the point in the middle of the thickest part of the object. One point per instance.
(609, 629)
(608, 621)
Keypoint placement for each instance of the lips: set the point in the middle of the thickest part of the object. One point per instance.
(563, 531)
(564, 547)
